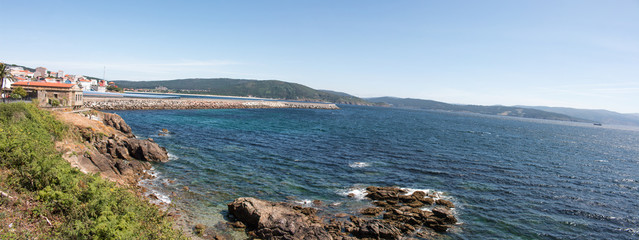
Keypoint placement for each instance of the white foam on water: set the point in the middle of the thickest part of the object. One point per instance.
(429, 192)
(601, 160)
(172, 157)
(161, 198)
(305, 202)
(359, 164)
(358, 192)
(633, 231)
(152, 172)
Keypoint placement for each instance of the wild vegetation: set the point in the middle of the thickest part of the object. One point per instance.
(43, 186)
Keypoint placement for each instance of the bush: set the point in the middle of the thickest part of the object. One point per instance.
(91, 207)
(54, 102)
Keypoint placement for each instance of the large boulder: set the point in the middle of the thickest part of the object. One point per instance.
(146, 150)
(115, 121)
(384, 193)
(271, 220)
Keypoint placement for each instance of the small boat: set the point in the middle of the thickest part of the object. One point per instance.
(597, 124)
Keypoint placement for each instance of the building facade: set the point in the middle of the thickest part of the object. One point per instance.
(52, 94)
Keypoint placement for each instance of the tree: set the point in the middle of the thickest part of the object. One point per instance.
(4, 73)
(19, 92)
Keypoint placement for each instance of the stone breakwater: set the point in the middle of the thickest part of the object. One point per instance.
(151, 104)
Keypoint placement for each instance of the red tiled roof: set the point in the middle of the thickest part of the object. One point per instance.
(43, 84)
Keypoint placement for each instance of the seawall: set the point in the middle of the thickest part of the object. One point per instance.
(151, 104)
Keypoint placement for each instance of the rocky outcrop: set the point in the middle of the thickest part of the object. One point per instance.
(115, 121)
(150, 104)
(146, 150)
(269, 220)
(401, 216)
(402, 208)
(119, 157)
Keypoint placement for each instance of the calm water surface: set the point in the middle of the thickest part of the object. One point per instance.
(509, 178)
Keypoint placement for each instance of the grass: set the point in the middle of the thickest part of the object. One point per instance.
(81, 206)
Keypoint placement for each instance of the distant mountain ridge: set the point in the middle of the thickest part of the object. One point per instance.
(489, 110)
(599, 115)
(245, 87)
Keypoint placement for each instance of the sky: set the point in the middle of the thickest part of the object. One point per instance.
(563, 53)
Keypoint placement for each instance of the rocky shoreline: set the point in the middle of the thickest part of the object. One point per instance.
(110, 149)
(152, 104)
(402, 216)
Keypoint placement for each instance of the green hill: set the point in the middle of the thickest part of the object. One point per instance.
(596, 115)
(242, 87)
(489, 110)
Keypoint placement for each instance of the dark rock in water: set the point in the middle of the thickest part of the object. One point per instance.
(199, 229)
(115, 121)
(440, 227)
(402, 217)
(383, 204)
(418, 195)
(238, 224)
(146, 150)
(405, 198)
(446, 203)
(271, 220)
(428, 201)
(441, 212)
(375, 229)
(416, 204)
(384, 193)
(372, 211)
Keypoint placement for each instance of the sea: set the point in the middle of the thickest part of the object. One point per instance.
(509, 178)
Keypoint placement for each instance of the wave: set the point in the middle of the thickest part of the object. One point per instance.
(155, 195)
(173, 157)
(357, 193)
(305, 202)
(359, 164)
(429, 192)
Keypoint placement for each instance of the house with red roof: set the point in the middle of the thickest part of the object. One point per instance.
(49, 93)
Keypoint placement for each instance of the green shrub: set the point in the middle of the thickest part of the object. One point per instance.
(54, 102)
(91, 207)
(18, 92)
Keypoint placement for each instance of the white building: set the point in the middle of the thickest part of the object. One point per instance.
(84, 84)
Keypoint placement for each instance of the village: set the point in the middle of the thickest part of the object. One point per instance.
(49, 88)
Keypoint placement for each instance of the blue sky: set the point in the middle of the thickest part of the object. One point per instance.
(582, 54)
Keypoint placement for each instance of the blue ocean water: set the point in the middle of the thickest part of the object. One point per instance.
(510, 178)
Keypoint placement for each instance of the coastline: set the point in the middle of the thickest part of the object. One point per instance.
(196, 103)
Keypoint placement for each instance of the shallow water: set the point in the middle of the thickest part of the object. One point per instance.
(509, 178)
